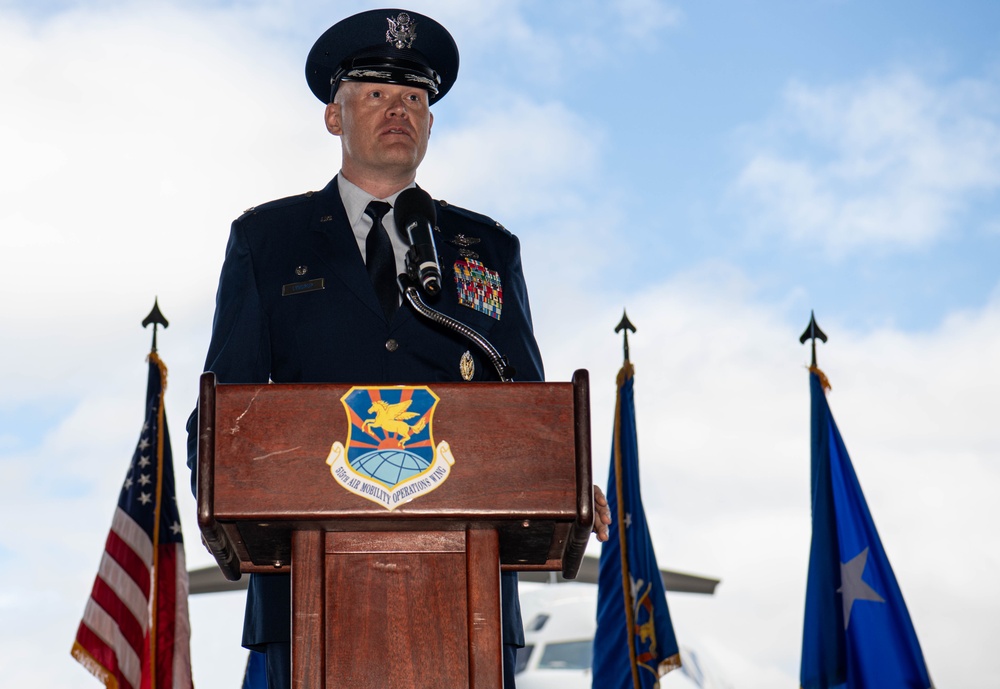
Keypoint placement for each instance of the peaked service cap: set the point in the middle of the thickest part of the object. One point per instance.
(389, 46)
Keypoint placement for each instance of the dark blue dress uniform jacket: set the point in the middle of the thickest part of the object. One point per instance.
(339, 334)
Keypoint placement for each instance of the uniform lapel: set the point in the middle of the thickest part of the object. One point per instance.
(333, 240)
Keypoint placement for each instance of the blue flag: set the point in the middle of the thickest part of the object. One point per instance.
(255, 676)
(858, 633)
(635, 644)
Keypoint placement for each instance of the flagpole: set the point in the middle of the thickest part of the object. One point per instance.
(156, 318)
(812, 332)
(631, 603)
(122, 639)
(857, 631)
(624, 374)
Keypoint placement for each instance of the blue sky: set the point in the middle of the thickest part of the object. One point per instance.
(718, 169)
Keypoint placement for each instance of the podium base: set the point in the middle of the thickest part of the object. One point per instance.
(412, 610)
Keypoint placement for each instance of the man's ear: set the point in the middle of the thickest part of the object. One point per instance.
(332, 117)
(430, 124)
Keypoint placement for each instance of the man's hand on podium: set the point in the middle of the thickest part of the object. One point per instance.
(602, 514)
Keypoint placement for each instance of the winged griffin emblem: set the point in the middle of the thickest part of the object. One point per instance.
(392, 418)
(390, 456)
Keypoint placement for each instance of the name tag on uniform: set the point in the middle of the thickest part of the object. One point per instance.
(302, 287)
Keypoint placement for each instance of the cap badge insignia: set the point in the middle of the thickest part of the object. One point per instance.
(479, 288)
(467, 366)
(390, 457)
(402, 31)
(301, 270)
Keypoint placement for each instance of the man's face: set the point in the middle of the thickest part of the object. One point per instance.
(383, 129)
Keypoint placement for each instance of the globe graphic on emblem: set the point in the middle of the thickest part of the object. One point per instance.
(390, 466)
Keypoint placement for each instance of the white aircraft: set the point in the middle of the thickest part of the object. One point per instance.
(559, 626)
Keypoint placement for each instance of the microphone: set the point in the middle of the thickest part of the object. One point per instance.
(415, 217)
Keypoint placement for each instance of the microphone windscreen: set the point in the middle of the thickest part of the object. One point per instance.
(414, 205)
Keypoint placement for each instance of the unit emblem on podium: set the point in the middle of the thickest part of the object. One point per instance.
(390, 456)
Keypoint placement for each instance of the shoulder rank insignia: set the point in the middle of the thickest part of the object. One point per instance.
(390, 457)
(478, 287)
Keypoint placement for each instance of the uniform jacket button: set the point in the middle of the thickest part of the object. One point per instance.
(391, 345)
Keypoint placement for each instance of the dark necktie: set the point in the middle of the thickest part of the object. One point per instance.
(380, 259)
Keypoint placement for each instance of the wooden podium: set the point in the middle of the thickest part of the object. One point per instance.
(401, 589)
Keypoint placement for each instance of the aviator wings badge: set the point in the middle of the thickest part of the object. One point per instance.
(390, 456)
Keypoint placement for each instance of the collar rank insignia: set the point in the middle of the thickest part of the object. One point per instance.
(402, 31)
(479, 287)
(390, 457)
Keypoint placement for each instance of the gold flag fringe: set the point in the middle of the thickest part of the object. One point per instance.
(823, 380)
(155, 358)
(93, 666)
(625, 372)
(668, 664)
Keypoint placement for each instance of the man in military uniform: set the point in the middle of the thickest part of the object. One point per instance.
(303, 295)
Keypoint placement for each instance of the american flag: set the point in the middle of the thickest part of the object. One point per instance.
(135, 632)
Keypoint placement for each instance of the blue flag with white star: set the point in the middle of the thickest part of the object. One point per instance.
(635, 644)
(858, 633)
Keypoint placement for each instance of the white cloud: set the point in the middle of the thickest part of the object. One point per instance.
(516, 41)
(647, 20)
(147, 138)
(541, 154)
(135, 135)
(888, 162)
